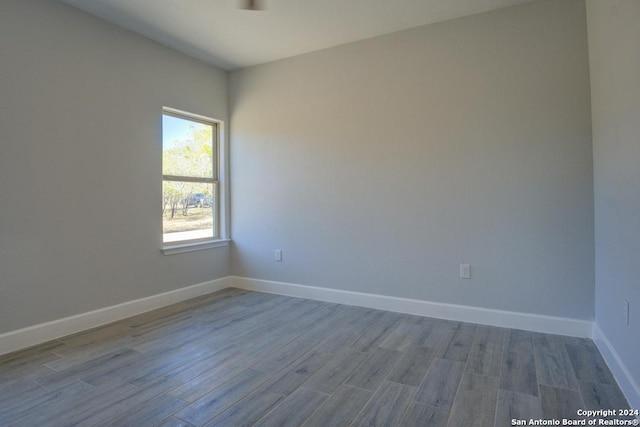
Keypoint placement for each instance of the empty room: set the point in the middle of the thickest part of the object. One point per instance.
(374, 212)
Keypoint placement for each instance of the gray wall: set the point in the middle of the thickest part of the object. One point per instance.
(379, 166)
(80, 153)
(614, 51)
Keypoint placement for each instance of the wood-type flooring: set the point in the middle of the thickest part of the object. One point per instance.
(236, 358)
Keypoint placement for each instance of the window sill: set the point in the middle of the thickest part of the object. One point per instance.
(195, 246)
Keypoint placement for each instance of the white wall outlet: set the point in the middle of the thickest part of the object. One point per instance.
(625, 312)
(278, 255)
(465, 271)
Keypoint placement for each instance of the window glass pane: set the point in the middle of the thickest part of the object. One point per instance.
(187, 147)
(188, 211)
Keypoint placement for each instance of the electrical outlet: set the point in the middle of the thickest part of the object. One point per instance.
(278, 255)
(465, 271)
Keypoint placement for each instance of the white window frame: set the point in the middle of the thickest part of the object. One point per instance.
(219, 182)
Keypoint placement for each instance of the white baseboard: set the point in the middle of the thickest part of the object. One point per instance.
(509, 319)
(37, 334)
(627, 383)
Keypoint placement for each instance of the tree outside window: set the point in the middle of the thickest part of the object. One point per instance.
(190, 182)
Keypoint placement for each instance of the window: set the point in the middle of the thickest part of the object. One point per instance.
(190, 186)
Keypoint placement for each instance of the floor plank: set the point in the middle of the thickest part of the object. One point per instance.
(456, 345)
(150, 414)
(248, 411)
(42, 398)
(518, 373)
(404, 336)
(203, 384)
(292, 377)
(373, 371)
(518, 341)
(588, 364)
(340, 409)
(418, 414)
(99, 414)
(554, 368)
(57, 411)
(413, 366)
(222, 397)
(516, 406)
(440, 384)
(602, 396)
(173, 422)
(560, 403)
(293, 410)
(475, 402)
(485, 355)
(436, 334)
(378, 332)
(335, 372)
(100, 369)
(287, 354)
(387, 405)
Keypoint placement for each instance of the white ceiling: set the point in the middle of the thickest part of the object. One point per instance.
(216, 32)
